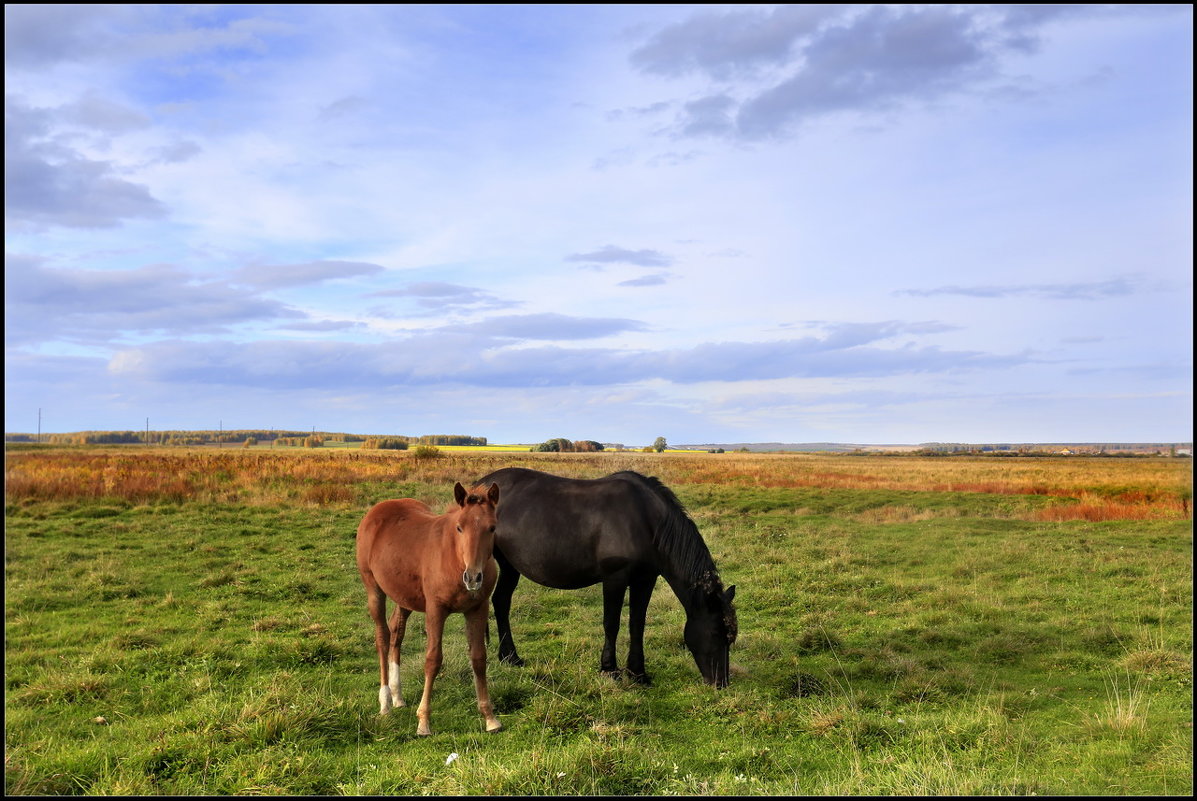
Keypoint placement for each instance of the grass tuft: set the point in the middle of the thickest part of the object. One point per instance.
(1125, 710)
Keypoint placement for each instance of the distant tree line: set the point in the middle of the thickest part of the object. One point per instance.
(310, 441)
(446, 439)
(386, 443)
(300, 439)
(563, 445)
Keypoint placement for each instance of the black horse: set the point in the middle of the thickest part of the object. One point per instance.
(624, 530)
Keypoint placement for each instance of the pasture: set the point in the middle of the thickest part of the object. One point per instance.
(192, 622)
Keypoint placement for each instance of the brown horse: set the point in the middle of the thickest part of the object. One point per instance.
(435, 564)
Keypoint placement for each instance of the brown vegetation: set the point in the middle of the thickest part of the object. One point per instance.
(1084, 488)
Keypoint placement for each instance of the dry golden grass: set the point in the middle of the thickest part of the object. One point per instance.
(1126, 706)
(1086, 488)
(1003, 475)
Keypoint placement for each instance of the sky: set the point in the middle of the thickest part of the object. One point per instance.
(750, 223)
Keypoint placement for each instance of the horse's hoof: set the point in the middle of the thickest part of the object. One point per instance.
(511, 659)
(423, 731)
(492, 729)
(614, 675)
(642, 679)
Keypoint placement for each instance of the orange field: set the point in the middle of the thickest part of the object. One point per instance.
(1088, 488)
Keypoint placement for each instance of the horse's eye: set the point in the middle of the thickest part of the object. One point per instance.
(492, 529)
(459, 529)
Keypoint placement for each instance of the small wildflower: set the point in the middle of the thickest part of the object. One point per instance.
(451, 757)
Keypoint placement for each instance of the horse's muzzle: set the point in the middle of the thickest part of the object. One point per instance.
(472, 581)
(720, 673)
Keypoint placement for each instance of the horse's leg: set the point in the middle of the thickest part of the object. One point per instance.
(434, 624)
(476, 637)
(500, 599)
(398, 629)
(376, 602)
(642, 586)
(613, 591)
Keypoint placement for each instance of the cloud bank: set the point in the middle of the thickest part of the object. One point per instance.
(774, 71)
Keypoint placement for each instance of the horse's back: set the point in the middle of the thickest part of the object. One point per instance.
(395, 512)
(567, 532)
(524, 480)
(388, 525)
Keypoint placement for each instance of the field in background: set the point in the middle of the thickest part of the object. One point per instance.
(1032, 488)
(190, 621)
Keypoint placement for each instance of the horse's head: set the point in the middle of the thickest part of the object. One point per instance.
(475, 531)
(711, 628)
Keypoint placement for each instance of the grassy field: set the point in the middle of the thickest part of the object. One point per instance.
(191, 622)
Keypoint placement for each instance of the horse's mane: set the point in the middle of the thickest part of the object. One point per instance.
(677, 537)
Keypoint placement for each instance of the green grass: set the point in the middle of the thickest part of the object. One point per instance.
(948, 647)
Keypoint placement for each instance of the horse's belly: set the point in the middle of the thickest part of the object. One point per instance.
(563, 581)
(409, 594)
(568, 572)
(408, 601)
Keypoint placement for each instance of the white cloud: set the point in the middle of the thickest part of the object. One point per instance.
(276, 276)
(612, 254)
(47, 182)
(45, 304)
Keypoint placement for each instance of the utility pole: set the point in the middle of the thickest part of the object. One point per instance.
(220, 435)
(39, 424)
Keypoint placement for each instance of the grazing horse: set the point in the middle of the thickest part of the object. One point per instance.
(623, 530)
(435, 564)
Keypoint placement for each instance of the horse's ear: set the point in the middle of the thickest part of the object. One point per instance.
(459, 494)
(730, 593)
(493, 493)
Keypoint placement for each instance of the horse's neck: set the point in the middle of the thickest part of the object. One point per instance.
(687, 586)
(684, 560)
(441, 532)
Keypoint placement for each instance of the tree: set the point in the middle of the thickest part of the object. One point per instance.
(556, 445)
(385, 443)
(659, 445)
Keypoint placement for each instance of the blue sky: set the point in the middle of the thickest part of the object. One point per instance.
(863, 224)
